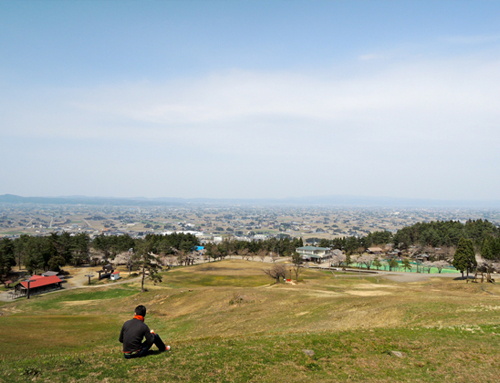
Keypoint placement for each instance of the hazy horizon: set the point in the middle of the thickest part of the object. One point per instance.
(250, 100)
(332, 201)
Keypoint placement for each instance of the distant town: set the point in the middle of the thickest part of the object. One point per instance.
(213, 223)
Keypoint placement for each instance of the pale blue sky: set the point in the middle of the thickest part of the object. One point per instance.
(250, 99)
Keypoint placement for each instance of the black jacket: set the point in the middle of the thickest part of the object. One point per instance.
(133, 331)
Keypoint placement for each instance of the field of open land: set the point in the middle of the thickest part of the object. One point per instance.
(228, 322)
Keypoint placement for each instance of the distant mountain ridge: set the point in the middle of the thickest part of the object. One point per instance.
(79, 200)
(330, 201)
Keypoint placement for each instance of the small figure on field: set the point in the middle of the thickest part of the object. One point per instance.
(133, 332)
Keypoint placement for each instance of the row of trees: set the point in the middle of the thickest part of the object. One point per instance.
(356, 244)
(277, 246)
(55, 251)
(433, 234)
(369, 260)
(465, 260)
(445, 233)
(43, 253)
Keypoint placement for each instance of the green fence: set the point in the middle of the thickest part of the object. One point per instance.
(415, 268)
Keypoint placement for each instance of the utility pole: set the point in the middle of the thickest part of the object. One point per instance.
(28, 296)
(90, 276)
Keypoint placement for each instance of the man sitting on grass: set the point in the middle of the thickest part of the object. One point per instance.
(133, 331)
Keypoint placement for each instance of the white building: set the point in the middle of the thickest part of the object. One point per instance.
(314, 254)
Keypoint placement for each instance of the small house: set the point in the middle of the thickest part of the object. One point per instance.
(422, 257)
(115, 276)
(395, 254)
(106, 272)
(314, 254)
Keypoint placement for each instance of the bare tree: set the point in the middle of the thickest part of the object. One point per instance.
(181, 257)
(262, 254)
(338, 259)
(414, 250)
(274, 257)
(485, 266)
(366, 259)
(297, 264)
(171, 260)
(227, 245)
(440, 265)
(496, 267)
(426, 266)
(277, 271)
(244, 254)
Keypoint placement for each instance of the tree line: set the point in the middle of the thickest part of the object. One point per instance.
(55, 251)
(432, 234)
(445, 233)
(52, 252)
(354, 244)
(283, 246)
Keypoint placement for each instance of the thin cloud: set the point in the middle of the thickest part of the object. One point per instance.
(407, 100)
(421, 126)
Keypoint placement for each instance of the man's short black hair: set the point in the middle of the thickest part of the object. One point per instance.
(140, 310)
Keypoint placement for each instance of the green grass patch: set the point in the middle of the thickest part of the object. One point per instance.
(428, 355)
(227, 322)
(58, 299)
(173, 279)
(46, 334)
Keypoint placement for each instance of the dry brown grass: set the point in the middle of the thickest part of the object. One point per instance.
(229, 267)
(353, 322)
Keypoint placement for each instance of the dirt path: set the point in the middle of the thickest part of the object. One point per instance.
(79, 279)
(78, 276)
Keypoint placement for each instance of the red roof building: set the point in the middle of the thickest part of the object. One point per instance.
(39, 281)
(35, 277)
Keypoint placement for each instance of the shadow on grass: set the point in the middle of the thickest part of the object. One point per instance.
(463, 278)
(150, 353)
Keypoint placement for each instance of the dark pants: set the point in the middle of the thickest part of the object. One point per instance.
(145, 348)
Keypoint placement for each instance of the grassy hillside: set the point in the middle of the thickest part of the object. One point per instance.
(227, 323)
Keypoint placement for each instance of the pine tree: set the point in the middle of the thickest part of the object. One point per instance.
(487, 249)
(465, 257)
(7, 259)
(146, 261)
